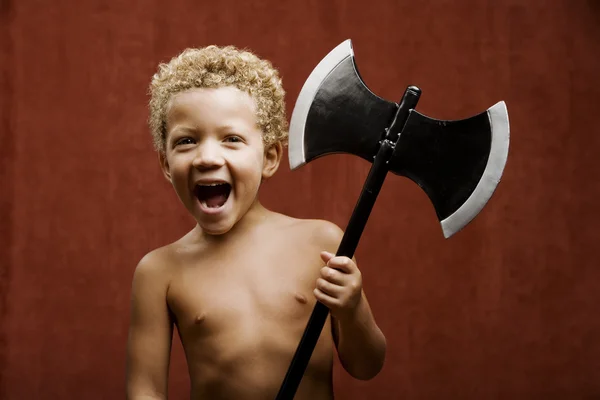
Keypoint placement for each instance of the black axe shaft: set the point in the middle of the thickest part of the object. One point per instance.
(350, 240)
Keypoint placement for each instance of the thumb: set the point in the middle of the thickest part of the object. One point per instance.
(326, 256)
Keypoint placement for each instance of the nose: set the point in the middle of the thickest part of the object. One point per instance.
(208, 155)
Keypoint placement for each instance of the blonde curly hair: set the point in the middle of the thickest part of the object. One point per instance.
(213, 67)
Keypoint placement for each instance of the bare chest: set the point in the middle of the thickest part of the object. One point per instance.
(249, 295)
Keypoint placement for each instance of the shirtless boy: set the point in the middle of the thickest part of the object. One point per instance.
(241, 285)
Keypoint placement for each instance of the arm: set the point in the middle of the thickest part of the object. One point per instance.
(360, 343)
(150, 333)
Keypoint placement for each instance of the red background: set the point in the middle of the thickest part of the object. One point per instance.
(507, 308)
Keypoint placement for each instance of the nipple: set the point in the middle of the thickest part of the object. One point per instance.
(199, 318)
(301, 298)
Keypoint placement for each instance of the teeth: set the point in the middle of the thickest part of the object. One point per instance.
(212, 184)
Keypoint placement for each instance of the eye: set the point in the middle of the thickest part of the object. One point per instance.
(184, 141)
(233, 139)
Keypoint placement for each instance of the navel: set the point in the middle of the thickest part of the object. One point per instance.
(300, 297)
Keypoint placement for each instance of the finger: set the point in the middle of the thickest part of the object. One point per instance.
(343, 264)
(329, 288)
(325, 298)
(326, 256)
(333, 275)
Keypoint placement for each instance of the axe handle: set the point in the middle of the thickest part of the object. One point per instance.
(349, 242)
(348, 245)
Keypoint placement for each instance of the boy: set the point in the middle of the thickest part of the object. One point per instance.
(242, 283)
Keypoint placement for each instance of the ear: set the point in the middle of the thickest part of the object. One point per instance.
(164, 165)
(271, 161)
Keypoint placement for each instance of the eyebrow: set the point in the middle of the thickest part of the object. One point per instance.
(183, 128)
(228, 127)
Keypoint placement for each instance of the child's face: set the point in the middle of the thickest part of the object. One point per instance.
(214, 155)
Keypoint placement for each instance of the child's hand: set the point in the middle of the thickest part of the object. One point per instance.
(340, 285)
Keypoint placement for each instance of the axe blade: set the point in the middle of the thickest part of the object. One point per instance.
(457, 163)
(336, 112)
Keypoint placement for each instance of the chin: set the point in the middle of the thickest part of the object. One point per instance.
(215, 229)
(215, 232)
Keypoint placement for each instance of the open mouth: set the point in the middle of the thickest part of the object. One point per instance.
(212, 195)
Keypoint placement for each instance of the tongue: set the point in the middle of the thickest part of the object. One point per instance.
(214, 196)
(216, 200)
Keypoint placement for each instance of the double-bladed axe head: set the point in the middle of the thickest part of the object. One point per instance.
(457, 163)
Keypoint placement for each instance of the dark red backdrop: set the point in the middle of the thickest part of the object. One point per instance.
(505, 309)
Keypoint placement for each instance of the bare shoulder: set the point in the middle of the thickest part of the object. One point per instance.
(153, 263)
(163, 260)
(152, 269)
(326, 231)
(317, 232)
(157, 266)
(326, 235)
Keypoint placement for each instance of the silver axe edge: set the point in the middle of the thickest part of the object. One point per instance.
(492, 174)
(306, 97)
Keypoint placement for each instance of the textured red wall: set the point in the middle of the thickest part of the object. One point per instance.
(505, 309)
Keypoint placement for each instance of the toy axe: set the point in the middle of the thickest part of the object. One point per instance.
(457, 163)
